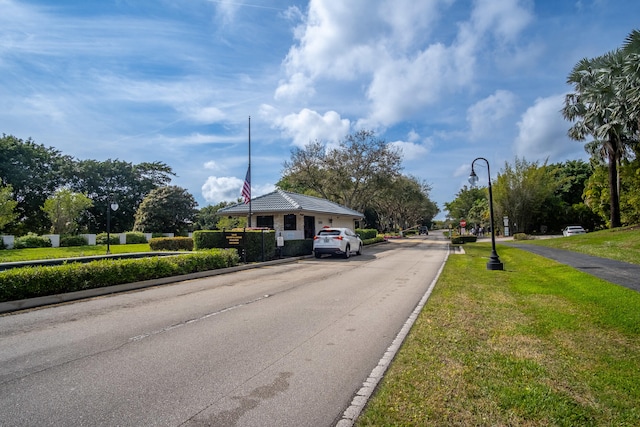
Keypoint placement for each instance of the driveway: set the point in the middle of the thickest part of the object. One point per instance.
(281, 345)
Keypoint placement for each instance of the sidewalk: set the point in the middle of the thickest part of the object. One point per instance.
(618, 272)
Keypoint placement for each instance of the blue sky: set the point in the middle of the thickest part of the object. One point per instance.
(176, 80)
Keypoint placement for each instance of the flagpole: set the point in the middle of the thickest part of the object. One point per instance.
(250, 172)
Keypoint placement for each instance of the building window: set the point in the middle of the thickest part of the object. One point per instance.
(264, 221)
(290, 222)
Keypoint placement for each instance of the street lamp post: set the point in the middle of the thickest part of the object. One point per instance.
(494, 260)
(110, 205)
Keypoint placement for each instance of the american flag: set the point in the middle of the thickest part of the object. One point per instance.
(246, 188)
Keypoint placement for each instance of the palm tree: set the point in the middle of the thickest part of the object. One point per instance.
(600, 108)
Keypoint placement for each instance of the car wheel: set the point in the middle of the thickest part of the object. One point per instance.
(347, 252)
(318, 255)
(359, 250)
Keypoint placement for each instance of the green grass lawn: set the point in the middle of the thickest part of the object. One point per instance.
(540, 344)
(622, 244)
(13, 255)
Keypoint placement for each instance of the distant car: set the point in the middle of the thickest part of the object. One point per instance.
(572, 230)
(336, 241)
(423, 230)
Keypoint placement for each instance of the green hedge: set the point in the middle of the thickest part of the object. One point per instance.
(171, 244)
(206, 239)
(101, 239)
(297, 247)
(135, 238)
(30, 282)
(68, 241)
(367, 233)
(459, 240)
(31, 241)
(376, 239)
(522, 236)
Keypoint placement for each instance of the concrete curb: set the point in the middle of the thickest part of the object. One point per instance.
(24, 304)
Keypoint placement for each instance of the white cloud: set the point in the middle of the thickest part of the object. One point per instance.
(543, 133)
(211, 165)
(308, 126)
(505, 18)
(229, 188)
(224, 188)
(485, 116)
(410, 150)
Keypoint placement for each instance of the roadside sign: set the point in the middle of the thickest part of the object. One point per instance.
(463, 223)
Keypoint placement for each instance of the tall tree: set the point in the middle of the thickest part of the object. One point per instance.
(168, 209)
(465, 202)
(600, 108)
(8, 206)
(119, 181)
(34, 172)
(352, 174)
(405, 203)
(64, 209)
(520, 192)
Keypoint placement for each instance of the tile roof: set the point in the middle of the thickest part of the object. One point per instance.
(284, 201)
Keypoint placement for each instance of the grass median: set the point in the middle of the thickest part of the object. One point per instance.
(538, 344)
(32, 254)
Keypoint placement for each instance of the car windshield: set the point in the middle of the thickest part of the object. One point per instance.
(329, 233)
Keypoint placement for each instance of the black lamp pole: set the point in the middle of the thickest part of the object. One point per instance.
(494, 260)
(110, 205)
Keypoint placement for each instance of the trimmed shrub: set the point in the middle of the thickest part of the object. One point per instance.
(206, 239)
(522, 236)
(30, 282)
(32, 240)
(376, 239)
(67, 241)
(101, 239)
(297, 247)
(135, 237)
(460, 240)
(171, 244)
(366, 233)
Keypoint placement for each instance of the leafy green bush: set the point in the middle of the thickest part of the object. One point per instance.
(135, 237)
(30, 282)
(32, 240)
(171, 244)
(206, 239)
(67, 241)
(376, 239)
(366, 233)
(521, 236)
(459, 240)
(297, 247)
(101, 239)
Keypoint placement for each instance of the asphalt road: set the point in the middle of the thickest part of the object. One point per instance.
(284, 345)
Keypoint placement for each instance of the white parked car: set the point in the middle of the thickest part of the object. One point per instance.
(572, 230)
(336, 241)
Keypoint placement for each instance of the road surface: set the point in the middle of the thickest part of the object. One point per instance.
(285, 345)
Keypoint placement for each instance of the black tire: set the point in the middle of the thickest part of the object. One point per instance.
(347, 251)
(318, 255)
(359, 250)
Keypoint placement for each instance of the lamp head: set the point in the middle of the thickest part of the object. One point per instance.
(473, 178)
(114, 206)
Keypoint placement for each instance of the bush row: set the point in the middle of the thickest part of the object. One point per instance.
(29, 282)
(255, 241)
(171, 244)
(459, 240)
(376, 239)
(366, 233)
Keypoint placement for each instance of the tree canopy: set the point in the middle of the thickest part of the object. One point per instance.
(604, 106)
(362, 173)
(36, 172)
(169, 209)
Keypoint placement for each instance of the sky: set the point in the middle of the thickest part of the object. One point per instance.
(176, 81)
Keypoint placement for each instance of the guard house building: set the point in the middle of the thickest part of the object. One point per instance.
(295, 216)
